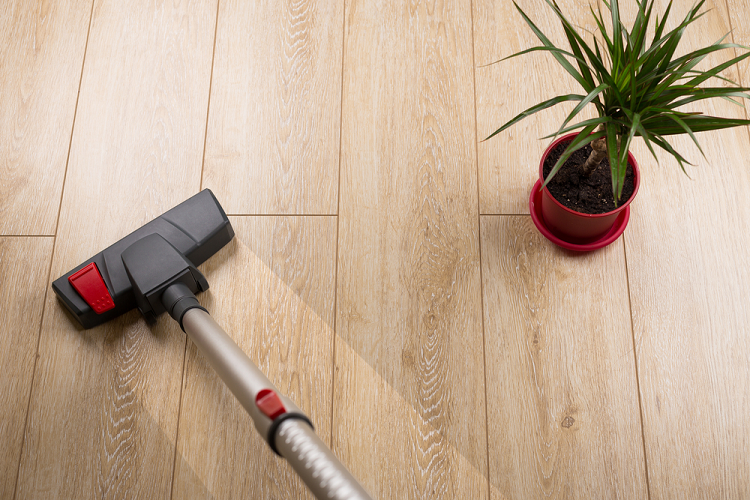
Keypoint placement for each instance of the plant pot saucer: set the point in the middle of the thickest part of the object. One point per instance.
(535, 208)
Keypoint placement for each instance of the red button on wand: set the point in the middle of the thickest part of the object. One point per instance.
(90, 286)
(270, 404)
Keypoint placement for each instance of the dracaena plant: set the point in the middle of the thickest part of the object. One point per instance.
(636, 87)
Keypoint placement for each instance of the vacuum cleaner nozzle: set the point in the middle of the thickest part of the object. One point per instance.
(135, 271)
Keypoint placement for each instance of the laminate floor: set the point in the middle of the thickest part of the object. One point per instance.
(385, 273)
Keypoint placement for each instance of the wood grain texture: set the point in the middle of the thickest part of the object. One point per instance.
(689, 272)
(24, 264)
(409, 383)
(272, 290)
(509, 162)
(103, 414)
(273, 130)
(41, 53)
(562, 395)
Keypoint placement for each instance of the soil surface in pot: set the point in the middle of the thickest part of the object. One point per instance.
(588, 195)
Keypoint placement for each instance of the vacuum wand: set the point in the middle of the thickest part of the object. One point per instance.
(288, 431)
(154, 269)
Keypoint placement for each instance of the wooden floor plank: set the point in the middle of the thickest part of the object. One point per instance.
(41, 54)
(103, 415)
(273, 131)
(24, 264)
(272, 289)
(564, 420)
(689, 272)
(409, 383)
(509, 162)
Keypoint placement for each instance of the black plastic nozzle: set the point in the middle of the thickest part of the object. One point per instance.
(154, 266)
(136, 270)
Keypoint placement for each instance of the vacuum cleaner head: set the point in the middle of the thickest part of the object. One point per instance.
(135, 271)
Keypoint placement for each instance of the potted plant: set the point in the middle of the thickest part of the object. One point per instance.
(588, 178)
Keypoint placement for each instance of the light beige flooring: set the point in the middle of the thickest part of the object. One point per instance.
(385, 272)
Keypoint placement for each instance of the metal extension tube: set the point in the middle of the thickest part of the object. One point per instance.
(294, 439)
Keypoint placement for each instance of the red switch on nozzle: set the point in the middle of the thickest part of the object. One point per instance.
(90, 286)
(270, 403)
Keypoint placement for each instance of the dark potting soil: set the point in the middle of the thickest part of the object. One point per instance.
(588, 195)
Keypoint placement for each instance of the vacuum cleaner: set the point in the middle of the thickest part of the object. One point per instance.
(154, 269)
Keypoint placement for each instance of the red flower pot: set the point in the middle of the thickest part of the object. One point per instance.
(576, 228)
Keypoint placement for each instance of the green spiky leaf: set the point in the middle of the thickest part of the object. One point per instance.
(636, 86)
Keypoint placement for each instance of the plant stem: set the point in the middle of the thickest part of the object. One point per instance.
(599, 152)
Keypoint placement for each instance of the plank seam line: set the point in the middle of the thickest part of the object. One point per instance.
(481, 274)
(52, 255)
(637, 374)
(504, 215)
(338, 229)
(29, 235)
(282, 215)
(183, 383)
(210, 87)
